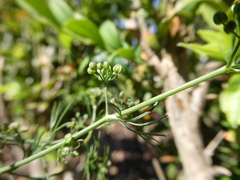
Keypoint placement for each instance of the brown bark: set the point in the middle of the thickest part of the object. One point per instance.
(184, 110)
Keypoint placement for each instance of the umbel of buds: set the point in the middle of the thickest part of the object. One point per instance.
(103, 71)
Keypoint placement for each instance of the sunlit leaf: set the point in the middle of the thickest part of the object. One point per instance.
(218, 37)
(85, 28)
(109, 34)
(40, 8)
(61, 10)
(122, 52)
(230, 100)
(65, 39)
(211, 50)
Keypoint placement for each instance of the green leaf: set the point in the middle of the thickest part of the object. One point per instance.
(65, 39)
(83, 64)
(219, 44)
(230, 100)
(110, 36)
(13, 90)
(211, 50)
(87, 29)
(186, 7)
(61, 10)
(40, 8)
(217, 37)
(122, 52)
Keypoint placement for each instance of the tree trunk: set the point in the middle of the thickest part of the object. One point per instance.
(184, 110)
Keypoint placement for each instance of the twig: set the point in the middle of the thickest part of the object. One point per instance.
(158, 169)
(209, 150)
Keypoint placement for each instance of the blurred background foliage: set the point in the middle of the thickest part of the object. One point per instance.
(46, 45)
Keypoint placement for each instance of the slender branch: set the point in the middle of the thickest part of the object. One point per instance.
(160, 97)
(86, 140)
(232, 58)
(52, 148)
(209, 150)
(106, 100)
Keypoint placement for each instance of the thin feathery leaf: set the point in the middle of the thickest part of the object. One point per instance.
(148, 135)
(54, 115)
(64, 112)
(148, 123)
(36, 143)
(139, 132)
(57, 119)
(149, 142)
(115, 108)
(143, 114)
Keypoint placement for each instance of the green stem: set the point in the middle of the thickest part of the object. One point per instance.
(232, 58)
(108, 118)
(106, 100)
(174, 91)
(86, 140)
(52, 148)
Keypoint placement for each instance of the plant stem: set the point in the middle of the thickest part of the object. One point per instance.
(52, 148)
(86, 140)
(160, 97)
(107, 118)
(232, 58)
(106, 100)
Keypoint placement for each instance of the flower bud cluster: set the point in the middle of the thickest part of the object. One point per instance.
(122, 102)
(69, 148)
(13, 128)
(222, 18)
(103, 71)
(77, 122)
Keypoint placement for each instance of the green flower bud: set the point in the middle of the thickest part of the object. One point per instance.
(121, 94)
(99, 66)
(99, 78)
(77, 115)
(229, 27)
(65, 151)
(68, 138)
(13, 126)
(106, 65)
(92, 65)
(220, 18)
(85, 116)
(113, 100)
(90, 71)
(72, 124)
(74, 154)
(117, 68)
(136, 102)
(129, 102)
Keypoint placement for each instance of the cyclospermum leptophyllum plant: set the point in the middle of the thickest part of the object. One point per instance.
(106, 73)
